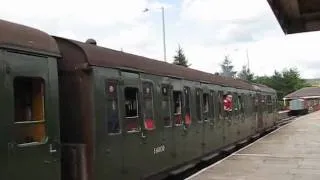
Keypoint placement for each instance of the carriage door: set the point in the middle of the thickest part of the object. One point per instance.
(153, 148)
(113, 164)
(260, 111)
(31, 108)
(132, 122)
(166, 116)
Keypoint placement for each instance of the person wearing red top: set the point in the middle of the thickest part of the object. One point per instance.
(227, 102)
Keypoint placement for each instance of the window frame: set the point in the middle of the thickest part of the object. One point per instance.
(145, 96)
(269, 104)
(23, 123)
(221, 104)
(212, 108)
(138, 116)
(198, 104)
(181, 108)
(168, 97)
(206, 115)
(228, 114)
(113, 97)
(186, 105)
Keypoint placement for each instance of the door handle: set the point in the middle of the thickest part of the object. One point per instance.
(211, 125)
(143, 138)
(11, 146)
(51, 150)
(142, 135)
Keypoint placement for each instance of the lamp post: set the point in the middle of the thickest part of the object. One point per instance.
(163, 34)
(248, 60)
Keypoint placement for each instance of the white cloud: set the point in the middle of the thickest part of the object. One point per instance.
(137, 39)
(265, 56)
(116, 24)
(248, 24)
(206, 29)
(94, 12)
(222, 10)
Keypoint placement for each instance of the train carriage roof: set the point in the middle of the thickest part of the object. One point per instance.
(104, 57)
(263, 88)
(16, 36)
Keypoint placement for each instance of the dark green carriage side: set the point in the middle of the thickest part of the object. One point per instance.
(132, 117)
(266, 117)
(29, 147)
(238, 124)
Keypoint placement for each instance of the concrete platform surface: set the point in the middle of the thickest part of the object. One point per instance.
(291, 152)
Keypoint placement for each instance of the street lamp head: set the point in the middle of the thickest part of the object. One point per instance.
(163, 32)
(146, 10)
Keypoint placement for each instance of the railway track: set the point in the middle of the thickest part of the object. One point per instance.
(224, 154)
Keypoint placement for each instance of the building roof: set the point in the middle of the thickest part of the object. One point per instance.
(308, 92)
(79, 54)
(16, 36)
(296, 16)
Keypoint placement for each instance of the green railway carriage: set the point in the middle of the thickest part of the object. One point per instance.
(106, 114)
(141, 116)
(29, 100)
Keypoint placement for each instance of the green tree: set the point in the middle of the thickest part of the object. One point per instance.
(227, 68)
(284, 82)
(245, 74)
(180, 58)
(293, 80)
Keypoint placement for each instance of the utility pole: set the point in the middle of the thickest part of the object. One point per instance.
(248, 60)
(163, 34)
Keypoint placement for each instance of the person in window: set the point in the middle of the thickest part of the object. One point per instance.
(187, 119)
(178, 109)
(178, 115)
(227, 103)
(113, 123)
(148, 123)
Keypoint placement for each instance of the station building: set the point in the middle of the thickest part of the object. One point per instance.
(306, 98)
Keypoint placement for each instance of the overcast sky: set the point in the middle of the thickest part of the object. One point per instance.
(206, 30)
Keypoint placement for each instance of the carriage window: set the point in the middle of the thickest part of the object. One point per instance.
(275, 104)
(220, 104)
(236, 103)
(165, 106)
(240, 102)
(227, 102)
(198, 104)
(131, 108)
(250, 104)
(269, 104)
(212, 110)
(29, 112)
(263, 103)
(205, 103)
(177, 107)
(205, 106)
(112, 107)
(187, 106)
(255, 103)
(244, 98)
(149, 123)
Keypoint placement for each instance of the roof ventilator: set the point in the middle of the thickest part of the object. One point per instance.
(91, 41)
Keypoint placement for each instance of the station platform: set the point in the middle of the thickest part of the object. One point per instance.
(292, 152)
